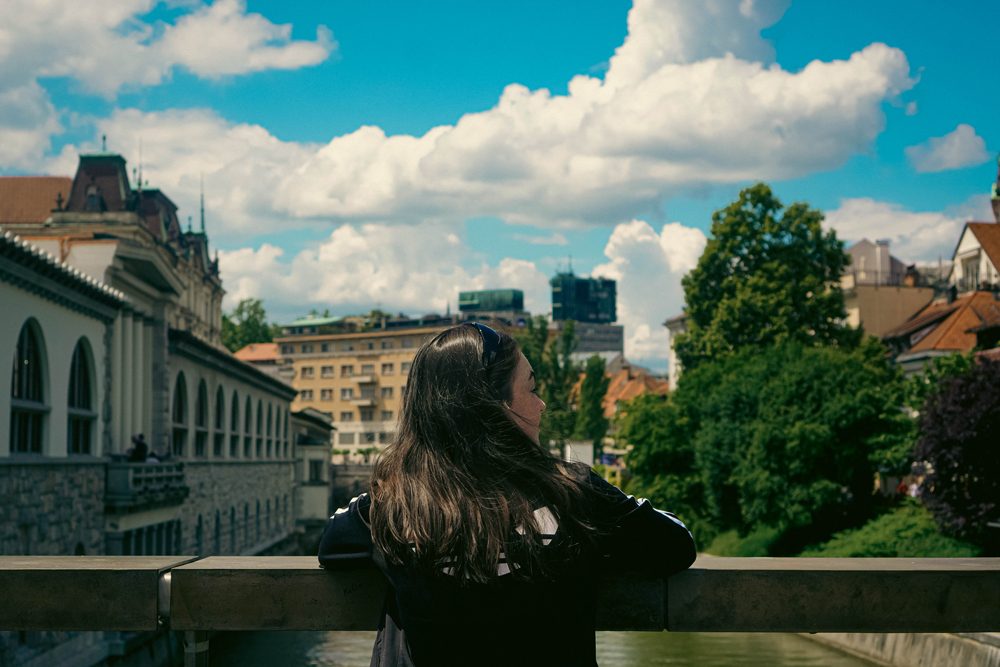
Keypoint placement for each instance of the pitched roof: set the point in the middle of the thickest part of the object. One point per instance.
(28, 199)
(988, 235)
(628, 384)
(956, 331)
(258, 352)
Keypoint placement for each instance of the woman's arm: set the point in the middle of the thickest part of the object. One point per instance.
(639, 538)
(347, 538)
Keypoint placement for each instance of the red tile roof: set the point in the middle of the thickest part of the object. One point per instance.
(258, 352)
(956, 332)
(28, 199)
(988, 235)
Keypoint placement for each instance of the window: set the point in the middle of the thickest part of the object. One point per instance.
(386, 392)
(347, 416)
(386, 369)
(288, 349)
(198, 533)
(218, 533)
(201, 421)
(307, 373)
(316, 470)
(387, 415)
(326, 394)
(370, 438)
(326, 372)
(258, 521)
(346, 371)
(370, 345)
(388, 345)
(324, 348)
(259, 450)
(220, 409)
(232, 530)
(26, 394)
(385, 438)
(407, 343)
(347, 346)
(404, 367)
(345, 438)
(179, 413)
(368, 392)
(270, 415)
(234, 417)
(81, 414)
(347, 394)
(307, 349)
(367, 415)
(247, 421)
(306, 395)
(368, 369)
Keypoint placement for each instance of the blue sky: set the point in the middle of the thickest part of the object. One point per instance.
(363, 154)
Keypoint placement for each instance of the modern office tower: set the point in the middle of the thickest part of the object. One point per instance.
(506, 305)
(583, 299)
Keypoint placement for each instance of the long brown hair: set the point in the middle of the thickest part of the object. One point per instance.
(460, 483)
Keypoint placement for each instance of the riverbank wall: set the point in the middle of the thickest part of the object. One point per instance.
(918, 650)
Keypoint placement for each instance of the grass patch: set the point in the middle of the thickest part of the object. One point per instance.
(906, 532)
(757, 543)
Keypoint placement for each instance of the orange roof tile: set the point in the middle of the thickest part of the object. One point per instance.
(258, 352)
(28, 199)
(954, 332)
(988, 235)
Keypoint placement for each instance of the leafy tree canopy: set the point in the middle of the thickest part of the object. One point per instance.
(591, 424)
(959, 426)
(768, 275)
(246, 325)
(789, 437)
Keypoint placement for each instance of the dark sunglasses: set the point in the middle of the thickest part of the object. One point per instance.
(491, 343)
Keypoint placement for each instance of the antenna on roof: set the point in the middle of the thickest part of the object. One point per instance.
(203, 203)
(189, 224)
(104, 143)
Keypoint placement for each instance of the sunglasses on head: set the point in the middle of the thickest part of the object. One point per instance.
(491, 343)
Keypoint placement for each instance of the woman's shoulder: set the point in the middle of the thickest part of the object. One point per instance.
(348, 536)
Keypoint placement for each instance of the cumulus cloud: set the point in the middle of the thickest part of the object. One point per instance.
(913, 236)
(958, 149)
(105, 46)
(554, 239)
(409, 268)
(691, 98)
(648, 267)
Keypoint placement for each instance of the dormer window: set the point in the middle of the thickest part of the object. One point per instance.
(93, 198)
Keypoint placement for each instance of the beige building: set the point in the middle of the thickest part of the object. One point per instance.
(357, 377)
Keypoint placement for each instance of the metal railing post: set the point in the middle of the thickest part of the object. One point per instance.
(195, 648)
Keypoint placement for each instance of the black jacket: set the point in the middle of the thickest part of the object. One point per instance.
(438, 621)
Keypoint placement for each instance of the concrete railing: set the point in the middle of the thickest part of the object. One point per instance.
(134, 593)
(131, 485)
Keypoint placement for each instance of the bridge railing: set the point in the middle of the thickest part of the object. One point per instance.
(133, 593)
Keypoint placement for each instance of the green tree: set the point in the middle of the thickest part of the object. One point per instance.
(768, 275)
(788, 437)
(246, 325)
(591, 424)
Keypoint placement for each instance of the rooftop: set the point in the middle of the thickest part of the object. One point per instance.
(948, 326)
(258, 352)
(30, 199)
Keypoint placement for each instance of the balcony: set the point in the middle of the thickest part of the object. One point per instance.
(363, 402)
(365, 379)
(132, 487)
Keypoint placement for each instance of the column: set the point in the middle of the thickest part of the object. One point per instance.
(116, 385)
(147, 386)
(138, 381)
(128, 394)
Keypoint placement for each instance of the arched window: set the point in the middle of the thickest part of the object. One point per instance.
(234, 430)
(179, 413)
(277, 432)
(247, 422)
(267, 517)
(201, 420)
(286, 433)
(220, 422)
(246, 524)
(258, 521)
(27, 394)
(81, 413)
(260, 429)
(285, 505)
(270, 415)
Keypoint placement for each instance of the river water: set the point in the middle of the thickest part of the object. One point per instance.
(614, 649)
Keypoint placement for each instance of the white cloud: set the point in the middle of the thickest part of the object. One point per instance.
(555, 239)
(408, 268)
(958, 149)
(27, 120)
(108, 45)
(648, 268)
(679, 108)
(912, 236)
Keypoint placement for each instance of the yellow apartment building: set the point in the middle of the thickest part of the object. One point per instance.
(357, 376)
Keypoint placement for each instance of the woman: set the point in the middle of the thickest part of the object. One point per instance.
(491, 545)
